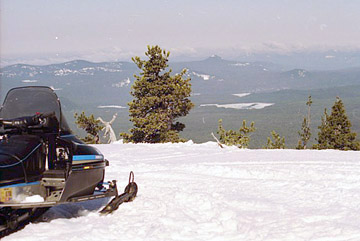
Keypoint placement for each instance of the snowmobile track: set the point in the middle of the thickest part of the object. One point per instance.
(36, 214)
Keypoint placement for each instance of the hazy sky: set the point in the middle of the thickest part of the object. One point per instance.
(114, 29)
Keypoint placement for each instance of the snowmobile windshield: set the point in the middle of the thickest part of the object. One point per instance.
(27, 101)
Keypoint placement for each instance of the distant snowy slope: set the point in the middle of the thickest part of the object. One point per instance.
(202, 192)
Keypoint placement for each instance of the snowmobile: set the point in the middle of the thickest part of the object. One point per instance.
(42, 164)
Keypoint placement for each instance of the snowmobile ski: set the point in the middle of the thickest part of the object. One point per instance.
(128, 196)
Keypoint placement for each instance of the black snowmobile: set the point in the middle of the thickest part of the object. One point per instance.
(42, 164)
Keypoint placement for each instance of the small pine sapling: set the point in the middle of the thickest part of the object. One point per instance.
(90, 125)
(305, 132)
(240, 138)
(277, 142)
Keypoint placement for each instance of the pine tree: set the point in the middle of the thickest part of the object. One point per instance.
(335, 132)
(278, 143)
(323, 134)
(239, 138)
(91, 126)
(305, 132)
(159, 99)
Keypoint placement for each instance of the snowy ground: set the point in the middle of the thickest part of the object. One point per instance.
(241, 106)
(202, 192)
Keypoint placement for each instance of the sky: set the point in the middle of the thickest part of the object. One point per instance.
(104, 30)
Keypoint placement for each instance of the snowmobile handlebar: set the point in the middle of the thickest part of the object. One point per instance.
(36, 121)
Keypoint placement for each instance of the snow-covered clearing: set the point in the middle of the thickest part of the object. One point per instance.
(123, 83)
(241, 64)
(203, 76)
(242, 94)
(29, 81)
(202, 192)
(240, 106)
(111, 106)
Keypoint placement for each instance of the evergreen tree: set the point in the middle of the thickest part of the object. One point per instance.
(159, 99)
(278, 143)
(323, 133)
(239, 138)
(335, 132)
(305, 132)
(91, 126)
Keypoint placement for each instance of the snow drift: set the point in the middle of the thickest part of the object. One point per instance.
(202, 192)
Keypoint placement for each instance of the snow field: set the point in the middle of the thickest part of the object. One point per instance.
(240, 106)
(202, 192)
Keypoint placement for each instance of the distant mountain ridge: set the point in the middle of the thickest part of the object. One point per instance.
(330, 59)
(214, 75)
(270, 94)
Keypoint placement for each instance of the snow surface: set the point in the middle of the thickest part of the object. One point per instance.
(84, 71)
(203, 76)
(34, 199)
(111, 106)
(240, 106)
(123, 83)
(241, 64)
(242, 94)
(55, 89)
(28, 199)
(29, 81)
(202, 192)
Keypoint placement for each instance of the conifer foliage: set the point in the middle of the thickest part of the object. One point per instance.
(305, 132)
(159, 100)
(334, 131)
(90, 125)
(239, 138)
(277, 142)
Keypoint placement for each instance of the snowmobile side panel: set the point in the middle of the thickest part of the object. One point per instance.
(82, 159)
(82, 182)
